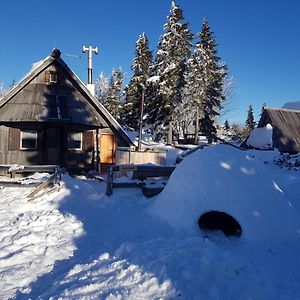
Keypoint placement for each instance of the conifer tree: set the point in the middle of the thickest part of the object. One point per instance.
(262, 109)
(210, 76)
(168, 71)
(133, 92)
(114, 95)
(102, 88)
(226, 125)
(249, 124)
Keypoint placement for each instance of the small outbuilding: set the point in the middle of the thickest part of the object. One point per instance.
(286, 128)
(51, 117)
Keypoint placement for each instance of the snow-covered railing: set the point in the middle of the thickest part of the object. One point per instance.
(139, 173)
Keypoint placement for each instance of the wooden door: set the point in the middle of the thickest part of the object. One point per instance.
(107, 148)
(55, 146)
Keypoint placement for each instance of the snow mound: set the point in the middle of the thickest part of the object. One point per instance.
(261, 138)
(240, 183)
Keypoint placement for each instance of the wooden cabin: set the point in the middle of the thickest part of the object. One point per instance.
(50, 117)
(286, 128)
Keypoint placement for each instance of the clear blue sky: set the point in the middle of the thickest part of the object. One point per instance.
(258, 39)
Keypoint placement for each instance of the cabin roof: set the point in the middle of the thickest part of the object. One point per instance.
(286, 123)
(35, 96)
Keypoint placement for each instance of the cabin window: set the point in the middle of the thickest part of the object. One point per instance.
(28, 140)
(58, 107)
(74, 140)
(53, 77)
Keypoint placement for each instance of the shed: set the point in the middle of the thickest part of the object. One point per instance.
(286, 128)
(50, 117)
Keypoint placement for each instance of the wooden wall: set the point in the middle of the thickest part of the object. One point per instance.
(10, 152)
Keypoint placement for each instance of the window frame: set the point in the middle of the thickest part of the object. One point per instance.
(51, 79)
(59, 105)
(21, 139)
(81, 140)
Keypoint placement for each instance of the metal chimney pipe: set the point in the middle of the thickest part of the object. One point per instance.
(90, 68)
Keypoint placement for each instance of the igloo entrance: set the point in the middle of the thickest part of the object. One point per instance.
(216, 220)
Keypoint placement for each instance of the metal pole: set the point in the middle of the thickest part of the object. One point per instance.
(90, 68)
(141, 120)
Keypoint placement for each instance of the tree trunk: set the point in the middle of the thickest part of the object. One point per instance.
(170, 134)
(197, 116)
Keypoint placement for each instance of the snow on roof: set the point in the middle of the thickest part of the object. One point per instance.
(292, 105)
(236, 182)
(261, 137)
(34, 67)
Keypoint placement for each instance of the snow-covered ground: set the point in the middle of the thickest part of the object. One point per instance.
(81, 244)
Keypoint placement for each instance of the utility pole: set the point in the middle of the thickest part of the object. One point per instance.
(141, 119)
(90, 50)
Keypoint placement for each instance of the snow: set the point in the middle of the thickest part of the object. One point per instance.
(254, 197)
(79, 243)
(261, 138)
(292, 105)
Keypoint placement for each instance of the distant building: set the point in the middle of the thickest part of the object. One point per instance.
(286, 128)
(51, 117)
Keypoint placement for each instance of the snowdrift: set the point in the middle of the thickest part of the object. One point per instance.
(239, 183)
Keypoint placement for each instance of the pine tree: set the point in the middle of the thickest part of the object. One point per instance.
(249, 124)
(102, 88)
(114, 95)
(226, 125)
(168, 71)
(213, 74)
(133, 92)
(262, 109)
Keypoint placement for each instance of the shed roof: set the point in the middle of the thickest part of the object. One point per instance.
(286, 124)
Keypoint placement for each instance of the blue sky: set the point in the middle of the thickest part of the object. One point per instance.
(259, 40)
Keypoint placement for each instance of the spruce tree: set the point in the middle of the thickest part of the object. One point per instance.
(213, 74)
(102, 88)
(133, 92)
(168, 71)
(226, 125)
(249, 124)
(114, 95)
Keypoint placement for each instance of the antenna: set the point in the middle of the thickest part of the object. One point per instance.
(90, 50)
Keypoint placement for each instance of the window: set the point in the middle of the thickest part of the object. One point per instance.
(74, 140)
(58, 107)
(29, 140)
(53, 77)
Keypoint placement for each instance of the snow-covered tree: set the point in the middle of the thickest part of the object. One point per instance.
(213, 74)
(168, 71)
(133, 92)
(102, 88)
(114, 95)
(250, 123)
(2, 90)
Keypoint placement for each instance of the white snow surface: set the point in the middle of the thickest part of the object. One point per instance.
(261, 137)
(81, 244)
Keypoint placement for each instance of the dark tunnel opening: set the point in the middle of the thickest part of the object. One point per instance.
(216, 220)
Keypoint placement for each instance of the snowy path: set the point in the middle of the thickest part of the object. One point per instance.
(82, 244)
